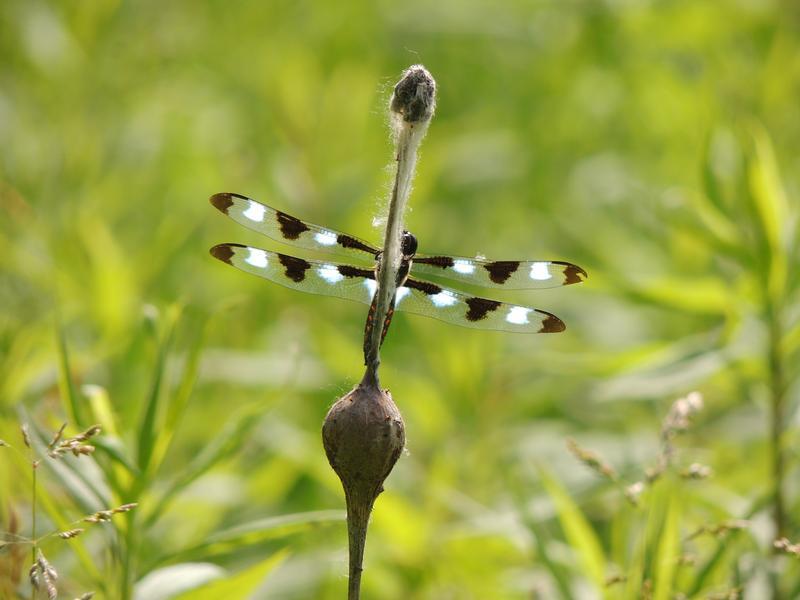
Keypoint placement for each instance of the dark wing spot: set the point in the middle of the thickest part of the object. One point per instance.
(431, 289)
(291, 227)
(350, 271)
(501, 270)
(222, 202)
(347, 241)
(480, 307)
(551, 323)
(295, 267)
(444, 262)
(572, 273)
(224, 252)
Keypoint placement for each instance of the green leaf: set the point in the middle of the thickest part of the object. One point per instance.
(770, 206)
(668, 550)
(711, 185)
(102, 411)
(168, 582)
(180, 400)
(149, 427)
(577, 530)
(241, 585)
(65, 384)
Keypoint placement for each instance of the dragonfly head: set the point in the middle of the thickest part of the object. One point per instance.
(408, 245)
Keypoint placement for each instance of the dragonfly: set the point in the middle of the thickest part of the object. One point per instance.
(413, 295)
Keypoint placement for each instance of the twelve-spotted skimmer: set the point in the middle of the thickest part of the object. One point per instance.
(413, 295)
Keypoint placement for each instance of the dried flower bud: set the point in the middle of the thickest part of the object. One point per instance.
(786, 546)
(57, 436)
(592, 460)
(634, 491)
(91, 432)
(70, 533)
(33, 575)
(414, 97)
(26, 436)
(696, 471)
(720, 529)
(46, 575)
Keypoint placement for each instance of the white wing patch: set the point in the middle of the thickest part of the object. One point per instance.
(330, 274)
(518, 315)
(540, 272)
(443, 298)
(401, 293)
(463, 266)
(371, 286)
(257, 258)
(255, 211)
(325, 238)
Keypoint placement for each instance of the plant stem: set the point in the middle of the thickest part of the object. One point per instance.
(411, 109)
(33, 519)
(358, 513)
(407, 143)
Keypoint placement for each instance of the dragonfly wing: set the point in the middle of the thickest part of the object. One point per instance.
(311, 276)
(430, 300)
(288, 229)
(507, 274)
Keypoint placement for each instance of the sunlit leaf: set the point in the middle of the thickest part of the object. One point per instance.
(169, 582)
(241, 585)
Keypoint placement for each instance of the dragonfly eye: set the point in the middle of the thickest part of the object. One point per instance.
(408, 244)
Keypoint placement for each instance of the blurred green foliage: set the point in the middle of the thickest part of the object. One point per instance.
(652, 142)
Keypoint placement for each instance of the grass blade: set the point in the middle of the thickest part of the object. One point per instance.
(668, 551)
(148, 430)
(255, 532)
(577, 530)
(65, 384)
(180, 400)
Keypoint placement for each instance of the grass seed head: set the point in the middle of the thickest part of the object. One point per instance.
(70, 533)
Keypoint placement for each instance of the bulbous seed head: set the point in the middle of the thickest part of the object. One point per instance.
(363, 435)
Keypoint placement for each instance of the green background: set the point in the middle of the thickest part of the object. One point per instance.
(652, 142)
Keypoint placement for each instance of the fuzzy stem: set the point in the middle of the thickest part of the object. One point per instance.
(410, 119)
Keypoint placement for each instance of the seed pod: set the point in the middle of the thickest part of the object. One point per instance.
(363, 435)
